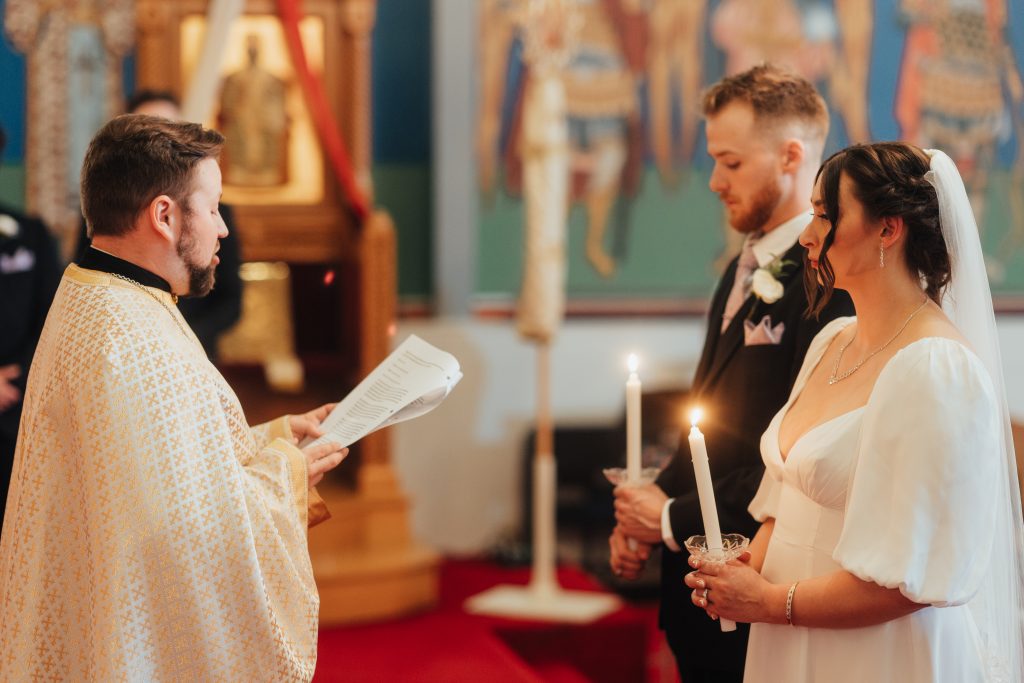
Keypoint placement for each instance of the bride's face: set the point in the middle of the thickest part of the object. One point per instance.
(855, 242)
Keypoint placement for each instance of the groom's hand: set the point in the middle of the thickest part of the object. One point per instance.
(638, 511)
(625, 562)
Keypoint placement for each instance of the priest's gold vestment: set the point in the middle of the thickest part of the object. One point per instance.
(150, 534)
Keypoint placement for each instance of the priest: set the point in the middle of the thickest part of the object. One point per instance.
(151, 534)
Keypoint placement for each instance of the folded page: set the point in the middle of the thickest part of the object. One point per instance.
(410, 382)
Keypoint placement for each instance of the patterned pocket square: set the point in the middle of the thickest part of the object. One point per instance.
(763, 332)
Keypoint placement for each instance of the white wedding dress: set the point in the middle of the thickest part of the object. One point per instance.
(898, 492)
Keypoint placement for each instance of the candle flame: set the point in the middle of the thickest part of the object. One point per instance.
(633, 362)
(695, 416)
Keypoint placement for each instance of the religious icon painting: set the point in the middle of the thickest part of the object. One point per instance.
(271, 154)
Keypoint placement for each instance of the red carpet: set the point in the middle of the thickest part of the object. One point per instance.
(449, 646)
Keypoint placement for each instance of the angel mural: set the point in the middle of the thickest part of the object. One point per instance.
(674, 69)
(601, 79)
(961, 91)
(826, 43)
(633, 90)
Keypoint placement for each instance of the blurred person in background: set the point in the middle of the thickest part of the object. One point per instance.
(29, 273)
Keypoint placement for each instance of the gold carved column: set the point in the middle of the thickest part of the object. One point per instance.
(357, 20)
(153, 51)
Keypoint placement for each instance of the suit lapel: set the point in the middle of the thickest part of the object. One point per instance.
(714, 334)
(729, 342)
(753, 308)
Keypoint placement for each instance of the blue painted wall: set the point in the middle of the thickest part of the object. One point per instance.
(401, 136)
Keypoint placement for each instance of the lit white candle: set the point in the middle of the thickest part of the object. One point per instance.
(706, 494)
(633, 422)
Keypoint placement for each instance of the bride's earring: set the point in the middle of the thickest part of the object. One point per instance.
(881, 254)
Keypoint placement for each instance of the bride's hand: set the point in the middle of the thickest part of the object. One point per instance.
(734, 590)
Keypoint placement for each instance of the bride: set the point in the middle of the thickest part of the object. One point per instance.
(890, 547)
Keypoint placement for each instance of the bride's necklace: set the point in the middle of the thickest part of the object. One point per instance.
(156, 299)
(837, 376)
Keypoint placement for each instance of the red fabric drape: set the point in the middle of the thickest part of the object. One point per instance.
(291, 12)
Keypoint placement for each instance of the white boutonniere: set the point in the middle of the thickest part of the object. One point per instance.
(765, 285)
(8, 226)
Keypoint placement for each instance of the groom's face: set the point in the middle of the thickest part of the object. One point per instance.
(747, 173)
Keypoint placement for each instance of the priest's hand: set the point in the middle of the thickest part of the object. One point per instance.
(308, 424)
(638, 511)
(625, 562)
(322, 459)
(9, 394)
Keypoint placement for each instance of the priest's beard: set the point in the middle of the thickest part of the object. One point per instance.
(200, 277)
(761, 208)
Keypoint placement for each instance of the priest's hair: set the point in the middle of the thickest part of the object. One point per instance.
(133, 160)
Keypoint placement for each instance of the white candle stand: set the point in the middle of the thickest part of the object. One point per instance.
(543, 599)
(618, 476)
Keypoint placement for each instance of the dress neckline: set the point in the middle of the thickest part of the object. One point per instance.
(797, 391)
(840, 416)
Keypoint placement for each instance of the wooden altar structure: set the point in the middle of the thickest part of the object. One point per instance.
(366, 563)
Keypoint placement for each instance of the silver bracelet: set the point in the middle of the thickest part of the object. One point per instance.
(789, 603)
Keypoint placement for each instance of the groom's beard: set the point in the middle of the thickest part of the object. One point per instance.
(200, 277)
(761, 208)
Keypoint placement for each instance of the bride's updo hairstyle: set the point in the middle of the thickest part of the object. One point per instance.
(889, 180)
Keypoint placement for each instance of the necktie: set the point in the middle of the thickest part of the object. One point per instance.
(741, 285)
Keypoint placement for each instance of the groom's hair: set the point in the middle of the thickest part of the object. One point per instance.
(779, 99)
(133, 160)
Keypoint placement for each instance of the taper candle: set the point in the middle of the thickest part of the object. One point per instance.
(706, 494)
(633, 463)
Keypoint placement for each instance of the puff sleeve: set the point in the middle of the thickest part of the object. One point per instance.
(919, 509)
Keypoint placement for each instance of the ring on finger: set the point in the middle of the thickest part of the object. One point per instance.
(705, 595)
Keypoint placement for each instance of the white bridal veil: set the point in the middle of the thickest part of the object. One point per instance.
(998, 606)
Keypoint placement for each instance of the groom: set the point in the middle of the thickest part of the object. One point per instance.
(766, 129)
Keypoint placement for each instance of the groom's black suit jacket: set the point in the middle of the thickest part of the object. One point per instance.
(739, 388)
